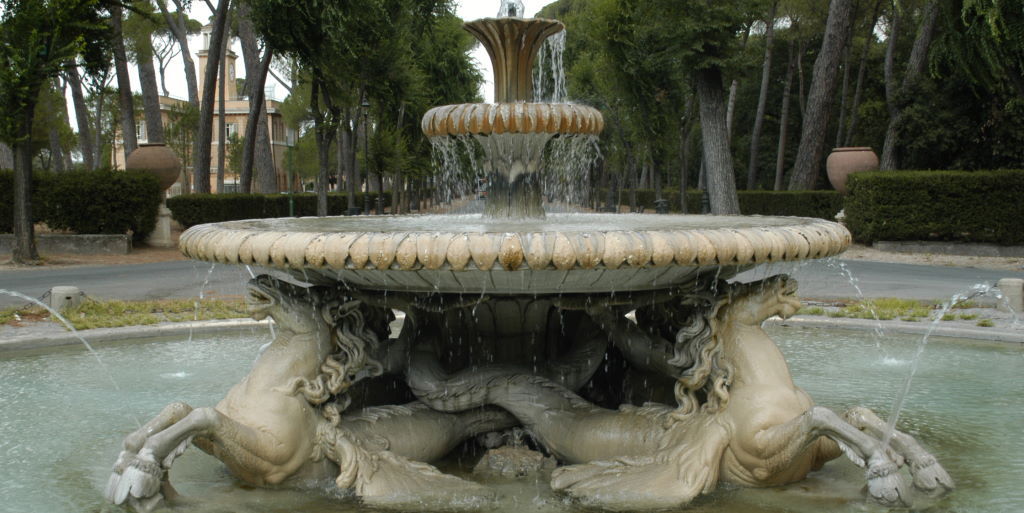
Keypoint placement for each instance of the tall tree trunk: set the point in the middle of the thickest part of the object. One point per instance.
(201, 169)
(843, 93)
(124, 85)
(861, 70)
(721, 181)
(257, 158)
(915, 67)
(780, 155)
(762, 98)
(811, 151)
(802, 96)
(177, 24)
(150, 98)
(324, 134)
(24, 232)
(257, 111)
(85, 142)
(222, 126)
(6, 157)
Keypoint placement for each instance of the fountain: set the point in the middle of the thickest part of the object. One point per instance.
(517, 319)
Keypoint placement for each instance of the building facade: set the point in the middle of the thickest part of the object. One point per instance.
(236, 117)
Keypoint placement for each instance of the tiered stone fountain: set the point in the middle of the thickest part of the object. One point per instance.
(517, 319)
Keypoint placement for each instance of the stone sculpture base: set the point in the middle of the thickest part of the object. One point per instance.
(161, 236)
(640, 414)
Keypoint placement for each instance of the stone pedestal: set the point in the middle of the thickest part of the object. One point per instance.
(1013, 295)
(161, 236)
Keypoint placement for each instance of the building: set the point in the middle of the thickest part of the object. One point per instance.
(236, 114)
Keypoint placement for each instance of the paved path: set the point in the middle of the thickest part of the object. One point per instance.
(818, 279)
(832, 279)
(162, 280)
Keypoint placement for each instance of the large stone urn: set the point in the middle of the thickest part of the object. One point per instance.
(848, 160)
(160, 161)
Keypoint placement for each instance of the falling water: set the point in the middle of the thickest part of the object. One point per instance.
(67, 324)
(980, 289)
(511, 9)
(549, 72)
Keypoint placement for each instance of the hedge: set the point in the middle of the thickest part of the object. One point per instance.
(965, 206)
(94, 202)
(820, 204)
(7, 199)
(193, 209)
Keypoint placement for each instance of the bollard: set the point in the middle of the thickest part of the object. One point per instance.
(62, 298)
(1013, 294)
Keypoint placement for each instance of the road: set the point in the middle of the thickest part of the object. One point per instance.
(180, 280)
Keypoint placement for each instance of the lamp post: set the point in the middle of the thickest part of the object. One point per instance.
(366, 154)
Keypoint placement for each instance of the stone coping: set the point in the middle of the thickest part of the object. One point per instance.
(348, 243)
(44, 338)
(83, 244)
(512, 118)
(35, 340)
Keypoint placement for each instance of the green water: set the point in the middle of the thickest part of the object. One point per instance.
(61, 423)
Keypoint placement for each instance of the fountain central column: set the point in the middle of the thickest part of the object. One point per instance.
(513, 131)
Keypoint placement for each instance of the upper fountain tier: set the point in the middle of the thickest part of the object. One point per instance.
(512, 44)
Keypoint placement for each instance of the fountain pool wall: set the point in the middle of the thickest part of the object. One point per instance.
(61, 423)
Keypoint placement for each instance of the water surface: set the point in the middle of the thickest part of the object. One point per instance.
(61, 424)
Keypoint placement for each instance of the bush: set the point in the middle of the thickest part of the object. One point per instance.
(976, 206)
(820, 204)
(193, 209)
(103, 201)
(39, 181)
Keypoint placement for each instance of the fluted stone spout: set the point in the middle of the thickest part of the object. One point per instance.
(513, 44)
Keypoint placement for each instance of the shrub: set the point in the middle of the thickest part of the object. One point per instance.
(193, 209)
(976, 206)
(820, 204)
(103, 201)
(39, 180)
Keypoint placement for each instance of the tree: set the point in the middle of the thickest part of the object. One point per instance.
(915, 68)
(139, 30)
(811, 151)
(126, 104)
(201, 169)
(762, 98)
(37, 39)
(256, 151)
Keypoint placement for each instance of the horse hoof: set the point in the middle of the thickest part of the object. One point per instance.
(139, 479)
(930, 477)
(886, 486)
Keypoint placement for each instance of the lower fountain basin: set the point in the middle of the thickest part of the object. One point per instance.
(563, 254)
(63, 422)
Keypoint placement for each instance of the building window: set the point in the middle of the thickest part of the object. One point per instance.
(231, 129)
(140, 131)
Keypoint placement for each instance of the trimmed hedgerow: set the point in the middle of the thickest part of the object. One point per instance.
(820, 204)
(193, 209)
(965, 206)
(39, 181)
(103, 201)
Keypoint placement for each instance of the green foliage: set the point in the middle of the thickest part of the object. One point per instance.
(103, 201)
(820, 204)
(193, 209)
(37, 38)
(180, 131)
(979, 206)
(39, 181)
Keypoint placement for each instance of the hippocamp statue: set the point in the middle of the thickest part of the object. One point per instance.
(740, 417)
(282, 424)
